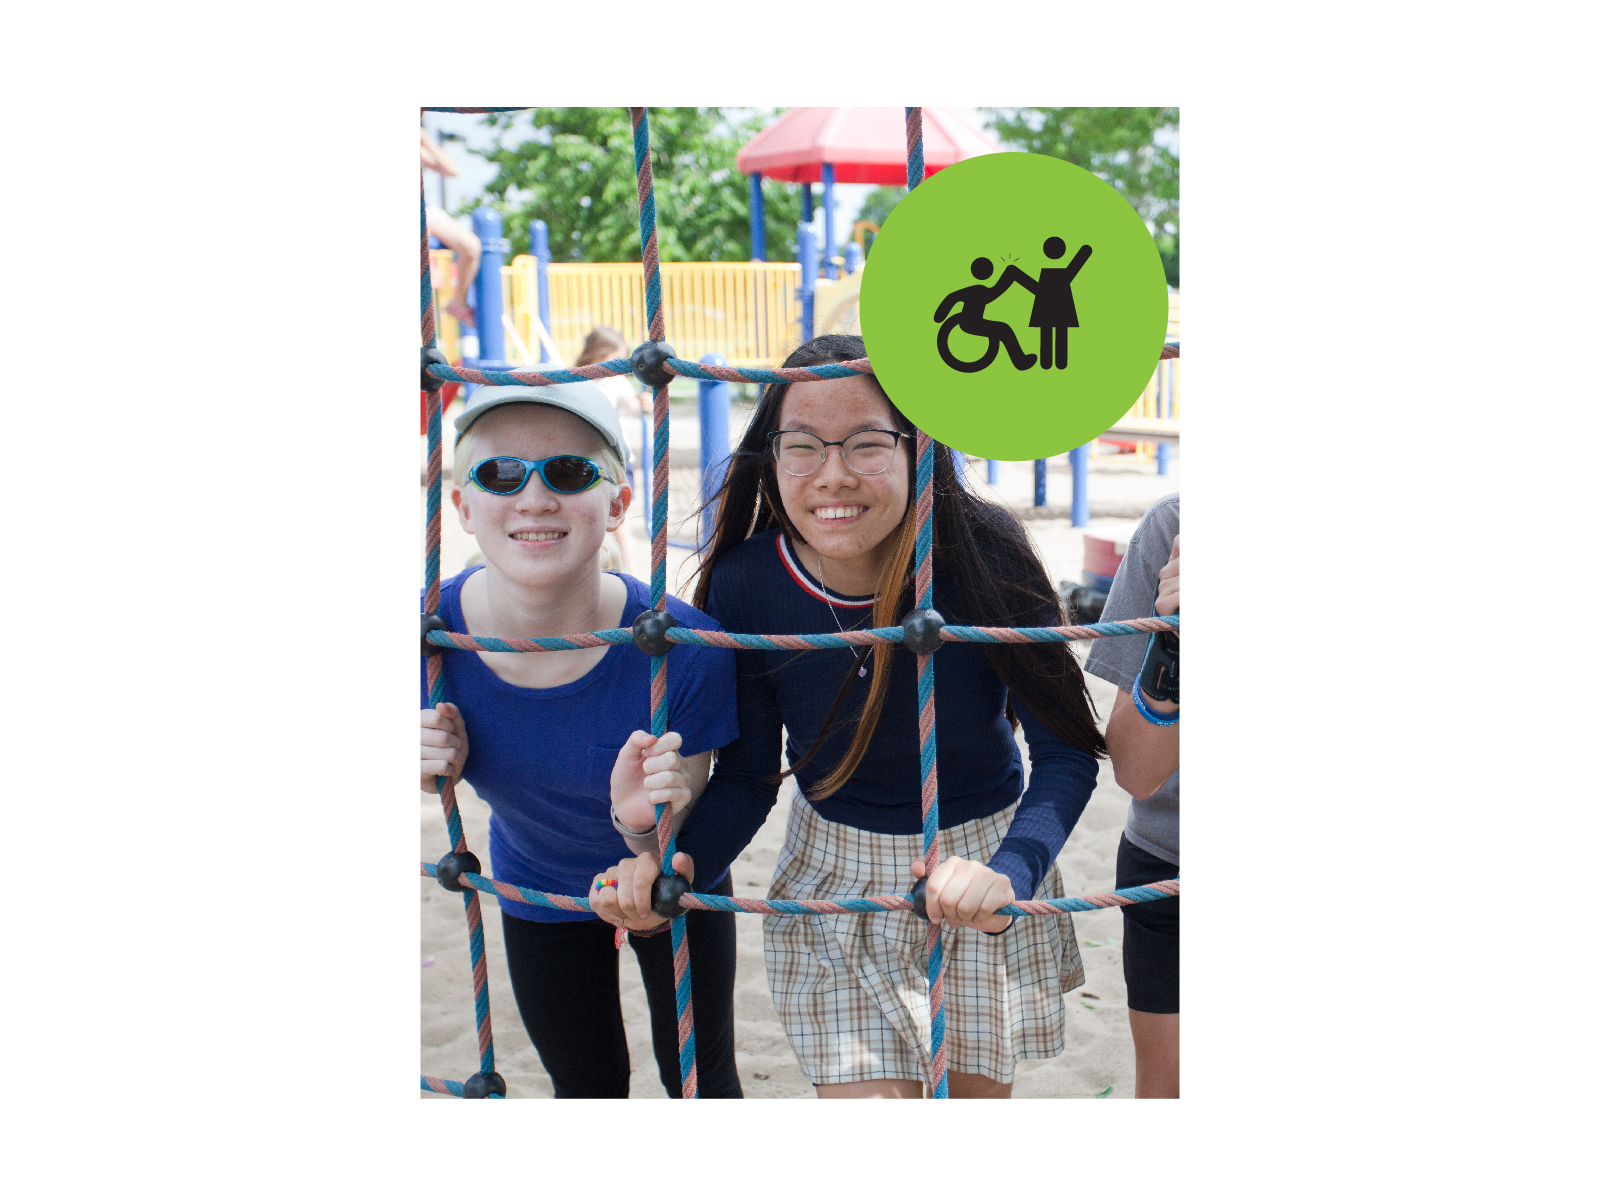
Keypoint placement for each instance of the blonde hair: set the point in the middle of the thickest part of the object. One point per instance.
(610, 460)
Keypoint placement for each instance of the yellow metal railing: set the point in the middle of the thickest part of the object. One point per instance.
(1158, 404)
(746, 311)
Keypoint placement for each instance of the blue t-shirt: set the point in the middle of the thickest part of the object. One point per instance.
(761, 587)
(542, 757)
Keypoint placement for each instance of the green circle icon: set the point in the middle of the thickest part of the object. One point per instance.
(1015, 306)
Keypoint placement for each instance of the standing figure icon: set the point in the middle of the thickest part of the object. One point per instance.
(1054, 312)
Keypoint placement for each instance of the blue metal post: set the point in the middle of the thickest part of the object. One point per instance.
(806, 203)
(1080, 461)
(1039, 482)
(491, 335)
(853, 258)
(758, 221)
(829, 269)
(1163, 451)
(808, 289)
(539, 247)
(714, 401)
(993, 474)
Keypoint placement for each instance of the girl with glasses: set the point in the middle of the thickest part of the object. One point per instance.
(551, 740)
(815, 532)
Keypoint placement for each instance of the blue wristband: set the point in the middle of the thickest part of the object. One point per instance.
(1153, 717)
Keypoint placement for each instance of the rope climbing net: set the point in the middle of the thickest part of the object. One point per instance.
(922, 632)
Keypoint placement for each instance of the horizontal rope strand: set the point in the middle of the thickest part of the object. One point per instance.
(681, 635)
(1123, 897)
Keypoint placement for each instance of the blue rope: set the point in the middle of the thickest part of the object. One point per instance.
(823, 370)
(459, 1090)
(647, 217)
(683, 635)
(929, 755)
(618, 366)
(785, 907)
(914, 158)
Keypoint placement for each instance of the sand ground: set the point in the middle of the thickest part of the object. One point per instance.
(1099, 1053)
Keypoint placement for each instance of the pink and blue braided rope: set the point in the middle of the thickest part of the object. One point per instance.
(1122, 897)
(928, 741)
(892, 634)
(436, 683)
(666, 841)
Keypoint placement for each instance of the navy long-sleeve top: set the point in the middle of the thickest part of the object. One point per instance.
(761, 587)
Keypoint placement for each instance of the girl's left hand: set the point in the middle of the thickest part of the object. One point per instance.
(965, 894)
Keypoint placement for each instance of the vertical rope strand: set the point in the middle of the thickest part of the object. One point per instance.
(914, 147)
(928, 745)
(665, 840)
(436, 675)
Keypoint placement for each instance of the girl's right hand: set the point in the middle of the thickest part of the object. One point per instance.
(649, 770)
(444, 745)
(628, 902)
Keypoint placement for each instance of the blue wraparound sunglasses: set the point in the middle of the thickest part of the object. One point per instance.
(564, 473)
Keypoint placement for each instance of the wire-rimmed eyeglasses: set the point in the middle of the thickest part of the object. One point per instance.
(866, 451)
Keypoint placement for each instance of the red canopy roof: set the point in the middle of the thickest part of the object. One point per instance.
(866, 145)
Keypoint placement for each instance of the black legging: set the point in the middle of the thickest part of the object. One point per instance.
(564, 975)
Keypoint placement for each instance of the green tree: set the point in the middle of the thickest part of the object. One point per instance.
(876, 206)
(1118, 144)
(577, 175)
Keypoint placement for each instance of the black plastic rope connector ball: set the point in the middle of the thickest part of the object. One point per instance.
(431, 623)
(920, 899)
(481, 1086)
(650, 632)
(665, 893)
(452, 866)
(649, 363)
(432, 356)
(922, 626)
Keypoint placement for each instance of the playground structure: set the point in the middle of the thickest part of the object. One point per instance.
(922, 633)
(737, 314)
(846, 145)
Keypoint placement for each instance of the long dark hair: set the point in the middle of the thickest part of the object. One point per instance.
(981, 554)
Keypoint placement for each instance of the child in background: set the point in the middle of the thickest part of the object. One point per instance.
(603, 344)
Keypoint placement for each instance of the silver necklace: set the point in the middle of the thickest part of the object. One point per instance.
(828, 602)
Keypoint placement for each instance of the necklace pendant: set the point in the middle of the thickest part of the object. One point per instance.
(862, 673)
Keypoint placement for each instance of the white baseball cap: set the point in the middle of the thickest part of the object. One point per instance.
(583, 400)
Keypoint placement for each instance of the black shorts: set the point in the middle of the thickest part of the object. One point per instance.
(1150, 934)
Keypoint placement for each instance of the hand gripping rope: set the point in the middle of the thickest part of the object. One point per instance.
(922, 632)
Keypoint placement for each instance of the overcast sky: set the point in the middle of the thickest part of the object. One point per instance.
(476, 172)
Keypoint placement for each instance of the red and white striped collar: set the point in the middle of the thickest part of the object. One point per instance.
(798, 573)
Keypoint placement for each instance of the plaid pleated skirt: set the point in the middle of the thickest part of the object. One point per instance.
(852, 990)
